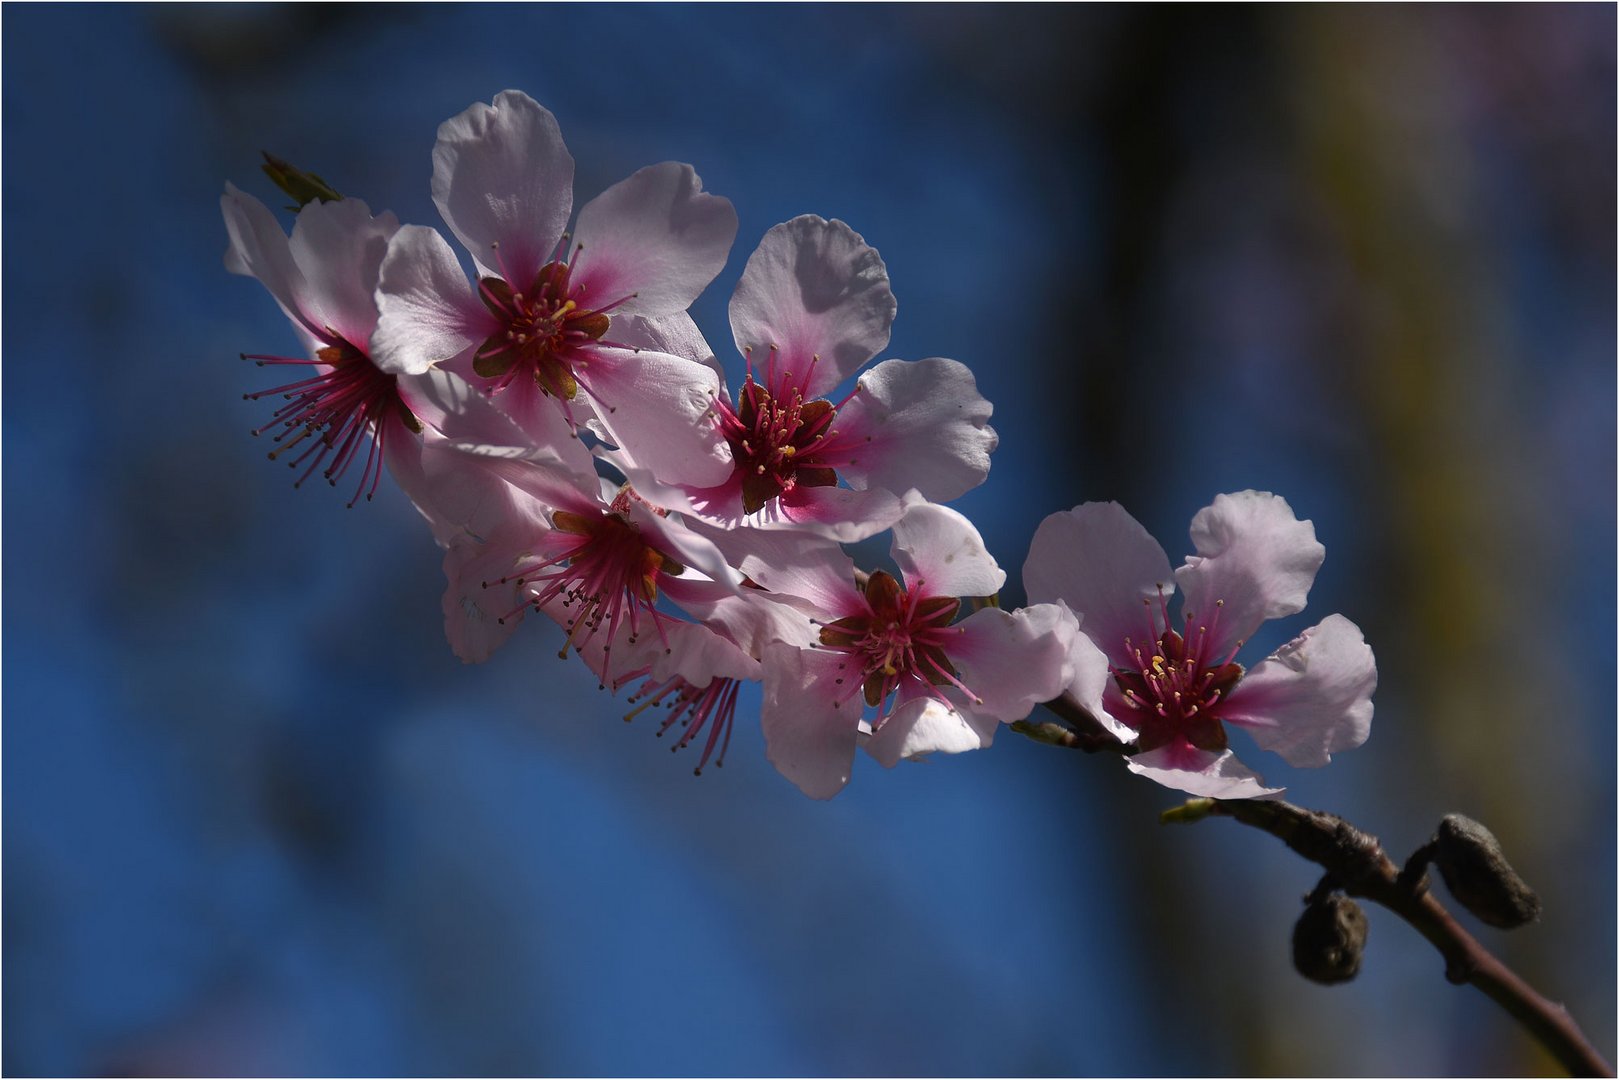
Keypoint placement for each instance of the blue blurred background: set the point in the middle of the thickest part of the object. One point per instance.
(257, 819)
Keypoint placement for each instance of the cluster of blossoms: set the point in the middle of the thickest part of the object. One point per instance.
(580, 454)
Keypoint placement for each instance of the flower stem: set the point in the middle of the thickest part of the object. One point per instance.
(1360, 866)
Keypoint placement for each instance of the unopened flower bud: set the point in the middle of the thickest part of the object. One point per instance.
(1329, 938)
(1478, 875)
(306, 187)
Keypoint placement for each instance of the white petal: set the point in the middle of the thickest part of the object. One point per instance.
(809, 737)
(670, 535)
(675, 334)
(657, 236)
(1203, 773)
(835, 513)
(258, 248)
(1011, 660)
(925, 426)
(1312, 698)
(1089, 681)
(427, 312)
(687, 650)
(658, 409)
(502, 174)
(754, 620)
(1254, 561)
(813, 288)
(338, 247)
(1099, 561)
(461, 493)
(927, 726)
(460, 411)
(937, 546)
(473, 614)
(798, 564)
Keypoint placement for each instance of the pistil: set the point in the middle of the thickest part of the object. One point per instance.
(546, 331)
(903, 635)
(1175, 690)
(779, 440)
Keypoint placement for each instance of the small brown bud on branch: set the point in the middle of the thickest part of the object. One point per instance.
(1329, 938)
(1478, 875)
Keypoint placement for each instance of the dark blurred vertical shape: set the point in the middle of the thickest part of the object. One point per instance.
(1382, 106)
(1138, 107)
(1185, 89)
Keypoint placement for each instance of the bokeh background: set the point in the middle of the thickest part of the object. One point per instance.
(258, 819)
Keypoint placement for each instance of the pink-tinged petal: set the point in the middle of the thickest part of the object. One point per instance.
(940, 552)
(540, 418)
(658, 409)
(720, 505)
(700, 655)
(925, 726)
(536, 472)
(502, 175)
(1099, 561)
(919, 425)
(1012, 661)
(1090, 682)
(427, 311)
(460, 494)
(809, 737)
(656, 237)
(691, 549)
(675, 334)
(1203, 773)
(466, 416)
(461, 412)
(804, 565)
(1254, 561)
(402, 452)
(686, 650)
(834, 513)
(813, 288)
(258, 248)
(472, 613)
(752, 619)
(338, 248)
(1312, 698)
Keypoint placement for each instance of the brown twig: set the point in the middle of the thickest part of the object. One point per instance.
(1359, 865)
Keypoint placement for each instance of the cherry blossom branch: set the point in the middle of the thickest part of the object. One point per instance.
(1356, 863)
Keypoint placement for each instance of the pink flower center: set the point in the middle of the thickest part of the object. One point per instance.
(1176, 689)
(330, 415)
(781, 442)
(901, 636)
(602, 571)
(546, 331)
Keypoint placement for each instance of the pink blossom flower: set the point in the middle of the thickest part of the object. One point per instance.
(545, 317)
(348, 411)
(542, 531)
(812, 308)
(1175, 689)
(934, 684)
